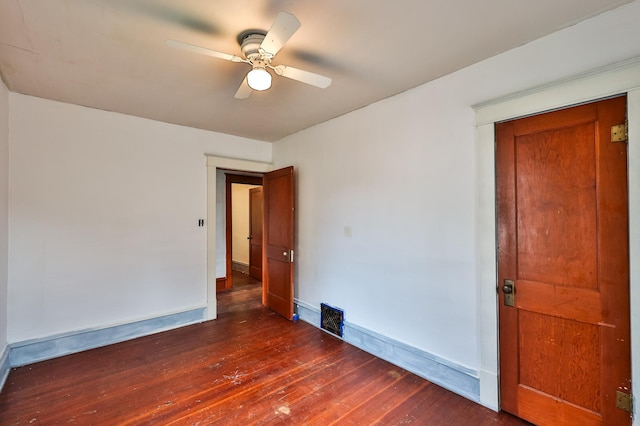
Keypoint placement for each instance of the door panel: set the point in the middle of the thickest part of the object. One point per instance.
(255, 233)
(555, 199)
(563, 240)
(278, 234)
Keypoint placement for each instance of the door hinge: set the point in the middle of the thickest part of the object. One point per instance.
(620, 133)
(624, 401)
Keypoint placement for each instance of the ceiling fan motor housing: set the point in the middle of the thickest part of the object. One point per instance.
(251, 45)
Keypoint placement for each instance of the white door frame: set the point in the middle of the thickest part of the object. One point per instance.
(614, 80)
(213, 164)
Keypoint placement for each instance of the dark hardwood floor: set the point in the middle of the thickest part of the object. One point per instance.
(249, 366)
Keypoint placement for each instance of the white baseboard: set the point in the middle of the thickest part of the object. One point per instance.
(30, 351)
(449, 375)
(442, 372)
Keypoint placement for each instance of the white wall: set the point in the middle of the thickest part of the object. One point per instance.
(386, 219)
(103, 215)
(4, 213)
(387, 195)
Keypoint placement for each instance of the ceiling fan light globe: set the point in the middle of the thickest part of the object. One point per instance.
(259, 79)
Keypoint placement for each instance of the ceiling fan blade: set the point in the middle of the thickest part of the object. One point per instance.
(204, 51)
(282, 29)
(303, 76)
(244, 91)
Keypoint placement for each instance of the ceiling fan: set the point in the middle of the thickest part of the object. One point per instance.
(258, 50)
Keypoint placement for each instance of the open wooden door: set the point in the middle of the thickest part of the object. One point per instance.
(563, 266)
(278, 232)
(255, 233)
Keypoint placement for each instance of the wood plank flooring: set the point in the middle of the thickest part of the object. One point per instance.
(249, 366)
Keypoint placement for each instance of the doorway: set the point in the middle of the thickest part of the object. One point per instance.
(238, 243)
(278, 192)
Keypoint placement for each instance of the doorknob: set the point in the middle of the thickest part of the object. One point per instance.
(508, 290)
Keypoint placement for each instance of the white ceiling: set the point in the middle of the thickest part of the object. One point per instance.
(111, 54)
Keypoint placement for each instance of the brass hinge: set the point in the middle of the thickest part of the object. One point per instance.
(620, 133)
(624, 401)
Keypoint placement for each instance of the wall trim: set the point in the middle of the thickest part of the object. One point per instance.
(35, 350)
(600, 83)
(442, 372)
(633, 156)
(4, 366)
(221, 283)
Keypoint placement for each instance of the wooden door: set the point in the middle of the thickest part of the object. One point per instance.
(278, 231)
(255, 233)
(563, 240)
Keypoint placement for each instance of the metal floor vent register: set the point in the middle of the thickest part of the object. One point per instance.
(331, 319)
